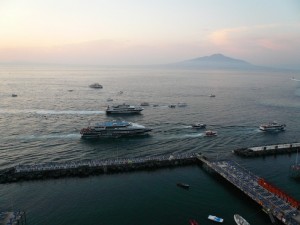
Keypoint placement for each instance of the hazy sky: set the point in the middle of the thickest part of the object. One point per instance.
(263, 32)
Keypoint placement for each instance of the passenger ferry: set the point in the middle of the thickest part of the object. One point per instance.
(113, 129)
(274, 126)
(123, 109)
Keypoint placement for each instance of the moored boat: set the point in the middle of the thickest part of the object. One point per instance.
(215, 219)
(123, 109)
(113, 129)
(240, 220)
(193, 222)
(274, 126)
(183, 185)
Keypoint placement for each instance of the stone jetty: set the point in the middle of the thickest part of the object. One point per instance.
(268, 150)
(93, 167)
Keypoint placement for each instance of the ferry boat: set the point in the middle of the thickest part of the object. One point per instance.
(240, 220)
(113, 129)
(210, 133)
(274, 126)
(215, 219)
(123, 109)
(95, 85)
(198, 125)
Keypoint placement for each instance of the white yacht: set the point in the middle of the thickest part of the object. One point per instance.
(123, 109)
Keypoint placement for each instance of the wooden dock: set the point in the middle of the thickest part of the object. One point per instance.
(275, 202)
(268, 150)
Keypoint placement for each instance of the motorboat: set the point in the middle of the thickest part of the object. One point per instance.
(212, 95)
(123, 109)
(183, 185)
(274, 126)
(193, 222)
(113, 129)
(198, 125)
(145, 104)
(14, 95)
(210, 133)
(95, 85)
(215, 219)
(172, 106)
(109, 99)
(240, 220)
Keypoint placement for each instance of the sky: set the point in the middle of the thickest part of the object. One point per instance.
(141, 32)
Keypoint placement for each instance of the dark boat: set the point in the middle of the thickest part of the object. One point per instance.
(183, 185)
(199, 125)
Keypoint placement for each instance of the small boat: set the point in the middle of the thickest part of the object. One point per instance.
(120, 92)
(215, 219)
(145, 104)
(14, 95)
(198, 125)
(109, 99)
(210, 133)
(212, 95)
(240, 220)
(155, 105)
(183, 185)
(172, 106)
(181, 104)
(193, 222)
(95, 85)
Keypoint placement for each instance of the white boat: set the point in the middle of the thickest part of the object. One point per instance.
(215, 219)
(274, 126)
(181, 104)
(95, 85)
(123, 109)
(240, 220)
(198, 125)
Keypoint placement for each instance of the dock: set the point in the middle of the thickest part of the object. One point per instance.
(268, 150)
(275, 202)
(93, 167)
(13, 218)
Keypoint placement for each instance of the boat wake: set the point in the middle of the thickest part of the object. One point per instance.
(49, 112)
(51, 136)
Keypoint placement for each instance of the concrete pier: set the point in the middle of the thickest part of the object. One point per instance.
(274, 201)
(93, 167)
(268, 150)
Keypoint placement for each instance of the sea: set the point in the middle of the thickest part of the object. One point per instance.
(42, 124)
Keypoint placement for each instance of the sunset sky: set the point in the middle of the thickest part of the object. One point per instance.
(114, 32)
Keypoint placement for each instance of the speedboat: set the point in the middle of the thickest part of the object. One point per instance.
(240, 220)
(198, 125)
(95, 85)
(210, 133)
(123, 109)
(113, 129)
(193, 222)
(215, 219)
(183, 185)
(274, 126)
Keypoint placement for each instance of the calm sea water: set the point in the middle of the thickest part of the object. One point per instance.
(42, 124)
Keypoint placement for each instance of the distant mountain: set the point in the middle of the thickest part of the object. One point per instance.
(216, 61)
